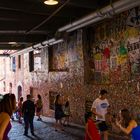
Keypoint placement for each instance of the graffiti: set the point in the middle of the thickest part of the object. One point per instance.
(58, 57)
(116, 50)
(133, 46)
(75, 47)
(134, 17)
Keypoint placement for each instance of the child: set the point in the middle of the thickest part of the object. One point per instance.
(39, 106)
(92, 132)
(20, 109)
(67, 113)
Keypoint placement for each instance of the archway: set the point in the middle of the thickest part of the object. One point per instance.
(19, 92)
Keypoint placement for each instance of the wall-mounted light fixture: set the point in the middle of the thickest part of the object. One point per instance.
(51, 2)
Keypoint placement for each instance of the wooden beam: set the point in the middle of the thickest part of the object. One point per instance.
(4, 55)
(23, 38)
(12, 47)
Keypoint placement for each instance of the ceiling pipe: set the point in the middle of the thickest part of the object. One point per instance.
(56, 42)
(37, 46)
(85, 24)
(103, 16)
(114, 8)
(48, 41)
(23, 32)
(29, 49)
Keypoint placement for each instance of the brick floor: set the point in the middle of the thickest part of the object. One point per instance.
(44, 130)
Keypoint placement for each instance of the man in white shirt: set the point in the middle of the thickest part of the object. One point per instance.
(99, 108)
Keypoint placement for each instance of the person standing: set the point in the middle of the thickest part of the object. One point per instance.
(128, 125)
(7, 107)
(39, 106)
(28, 110)
(92, 132)
(67, 113)
(59, 114)
(20, 103)
(99, 108)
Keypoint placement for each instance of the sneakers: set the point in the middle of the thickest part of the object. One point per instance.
(25, 134)
(12, 117)
(39, 119)
(33, 134)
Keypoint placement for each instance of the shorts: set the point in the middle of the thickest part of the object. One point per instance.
(102, 126)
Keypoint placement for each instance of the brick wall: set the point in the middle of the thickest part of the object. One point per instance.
(79, 81)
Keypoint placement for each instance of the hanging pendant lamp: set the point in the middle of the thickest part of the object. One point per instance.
(51, 2)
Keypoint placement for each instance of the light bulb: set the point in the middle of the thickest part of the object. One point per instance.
(51, 2)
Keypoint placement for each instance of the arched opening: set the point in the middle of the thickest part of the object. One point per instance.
(19, 92)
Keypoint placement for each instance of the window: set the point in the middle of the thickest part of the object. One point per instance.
(19, 61)
(19, 92)
(31, 91)
(4, 70)
(13, 64)
(10, 87)
(37, 60)
(50, 52)
(31, 61)
(4, 86)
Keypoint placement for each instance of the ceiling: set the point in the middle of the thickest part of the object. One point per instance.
(28, 22)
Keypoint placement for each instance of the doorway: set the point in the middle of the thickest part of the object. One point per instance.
(19, 92)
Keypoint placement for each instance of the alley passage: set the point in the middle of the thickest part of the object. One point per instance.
(44, 130)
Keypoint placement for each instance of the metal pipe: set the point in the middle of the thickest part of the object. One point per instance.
(117, 11)
(37, 46)
(56, 42)
(22, 32)
(118, 7)
(85, 24)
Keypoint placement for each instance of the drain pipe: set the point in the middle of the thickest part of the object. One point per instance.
(115, 8)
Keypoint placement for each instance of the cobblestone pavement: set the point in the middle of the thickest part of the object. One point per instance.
(44, 130)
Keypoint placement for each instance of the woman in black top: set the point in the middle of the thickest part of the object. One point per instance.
(59, 114)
